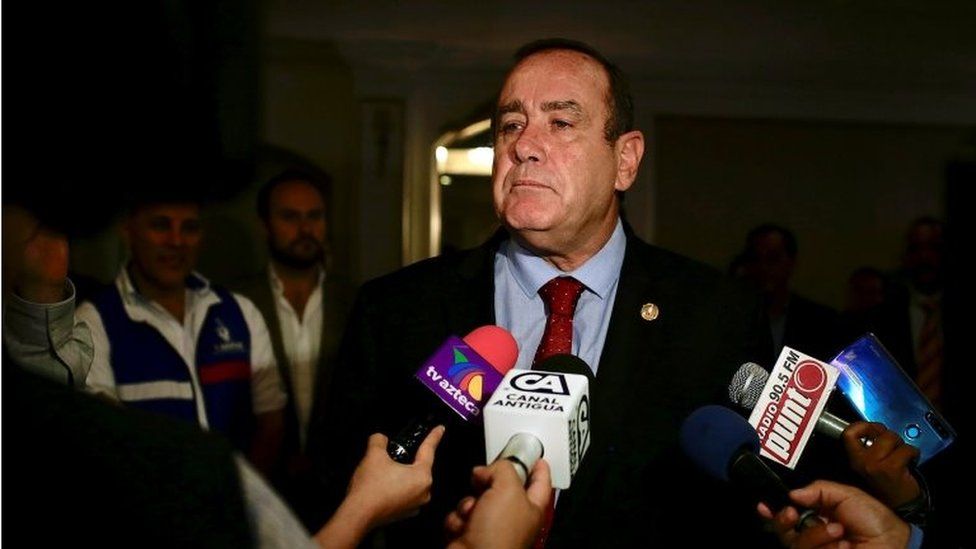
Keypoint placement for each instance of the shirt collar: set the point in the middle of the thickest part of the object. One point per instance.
(278, 288)
(195, 282)
(598, 273)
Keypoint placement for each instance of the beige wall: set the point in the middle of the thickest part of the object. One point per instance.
(847, 190)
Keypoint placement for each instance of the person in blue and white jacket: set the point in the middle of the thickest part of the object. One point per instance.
(168, 341)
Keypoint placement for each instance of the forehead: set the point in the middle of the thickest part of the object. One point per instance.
(174, 211)
(296, 192)
(556, 75)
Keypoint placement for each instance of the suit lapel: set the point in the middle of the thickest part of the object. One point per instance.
(470, 301)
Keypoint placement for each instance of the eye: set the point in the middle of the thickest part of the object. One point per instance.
(159, 223)
(192, 226)
(511, 127)
(561, 124)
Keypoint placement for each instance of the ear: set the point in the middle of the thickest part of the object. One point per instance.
(629, 149)
(125, 230)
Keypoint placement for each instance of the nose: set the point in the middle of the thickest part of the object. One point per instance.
(174, 237)
(528, 147)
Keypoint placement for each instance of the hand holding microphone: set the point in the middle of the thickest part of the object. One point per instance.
(875, 452)
(504, 514)
(381, 491)
(852, 517)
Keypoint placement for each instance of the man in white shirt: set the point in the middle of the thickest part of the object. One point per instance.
(304, 306)
(167, 341)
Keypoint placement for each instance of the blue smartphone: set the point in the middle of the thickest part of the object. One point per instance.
(881, 391)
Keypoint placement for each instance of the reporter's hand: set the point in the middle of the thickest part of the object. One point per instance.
(389, 490)
(504, 515)
(853, 519)
(885, 464)
(381, 491)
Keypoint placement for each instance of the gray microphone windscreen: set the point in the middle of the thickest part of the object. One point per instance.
(747, 385)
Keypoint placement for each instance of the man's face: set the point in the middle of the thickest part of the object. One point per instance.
(554, 176)
(164, 240)
(923, 256)
(296, 225)
(770, 266)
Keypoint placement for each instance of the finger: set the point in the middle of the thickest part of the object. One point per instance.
(764, 511)
(884, 444)
(377, 441)
(480, 478)
(823, 535)
(823, 494)
(454, 524)
(465, 506)
(539, 490)
(858, 430)
(425, 453)
(903, 456)
(786, 519)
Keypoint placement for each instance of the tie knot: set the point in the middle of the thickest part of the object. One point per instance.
(561, 295)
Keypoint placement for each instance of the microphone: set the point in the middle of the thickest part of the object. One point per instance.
(725, 446)
(543, 411)
(747, 387)
(462, 373)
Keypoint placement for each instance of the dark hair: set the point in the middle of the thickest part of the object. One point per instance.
(620, 103)
(320, 181)
(789, 240)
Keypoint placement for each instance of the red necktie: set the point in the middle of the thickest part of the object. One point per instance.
(560, 296)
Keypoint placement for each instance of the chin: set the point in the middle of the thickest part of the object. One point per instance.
(529, 218)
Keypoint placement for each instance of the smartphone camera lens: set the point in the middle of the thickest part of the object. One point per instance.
(936, 424)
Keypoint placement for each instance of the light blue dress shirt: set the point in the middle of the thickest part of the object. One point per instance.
(520, 273)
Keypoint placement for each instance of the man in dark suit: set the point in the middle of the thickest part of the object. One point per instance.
(662, 333)
(305, 309)
(794, 321)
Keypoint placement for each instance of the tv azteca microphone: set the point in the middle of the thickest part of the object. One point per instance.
(462, 373)
(724, 445)
(541, 412)
(747, 387)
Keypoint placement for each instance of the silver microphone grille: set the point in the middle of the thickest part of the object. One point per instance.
(747, 385)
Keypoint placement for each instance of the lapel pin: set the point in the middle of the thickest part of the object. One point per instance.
(650, 311)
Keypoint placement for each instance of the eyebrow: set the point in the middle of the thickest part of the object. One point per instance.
(514, 106)
(567, 105)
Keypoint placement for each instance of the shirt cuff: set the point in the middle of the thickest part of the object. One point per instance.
(915, 539)
(34, 323)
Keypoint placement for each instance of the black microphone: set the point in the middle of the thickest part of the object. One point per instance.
(746, 389)
(724, 445)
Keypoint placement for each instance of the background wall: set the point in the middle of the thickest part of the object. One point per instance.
(847, 110)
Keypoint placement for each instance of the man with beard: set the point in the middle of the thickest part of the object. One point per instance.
(168, 341)
(304, 307)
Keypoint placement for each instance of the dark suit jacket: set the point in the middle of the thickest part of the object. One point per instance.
(335, 307)
(813, 329)
(633, 487)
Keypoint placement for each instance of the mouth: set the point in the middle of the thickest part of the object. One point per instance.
(528, 184)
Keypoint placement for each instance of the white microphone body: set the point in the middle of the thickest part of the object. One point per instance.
(537, 414)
